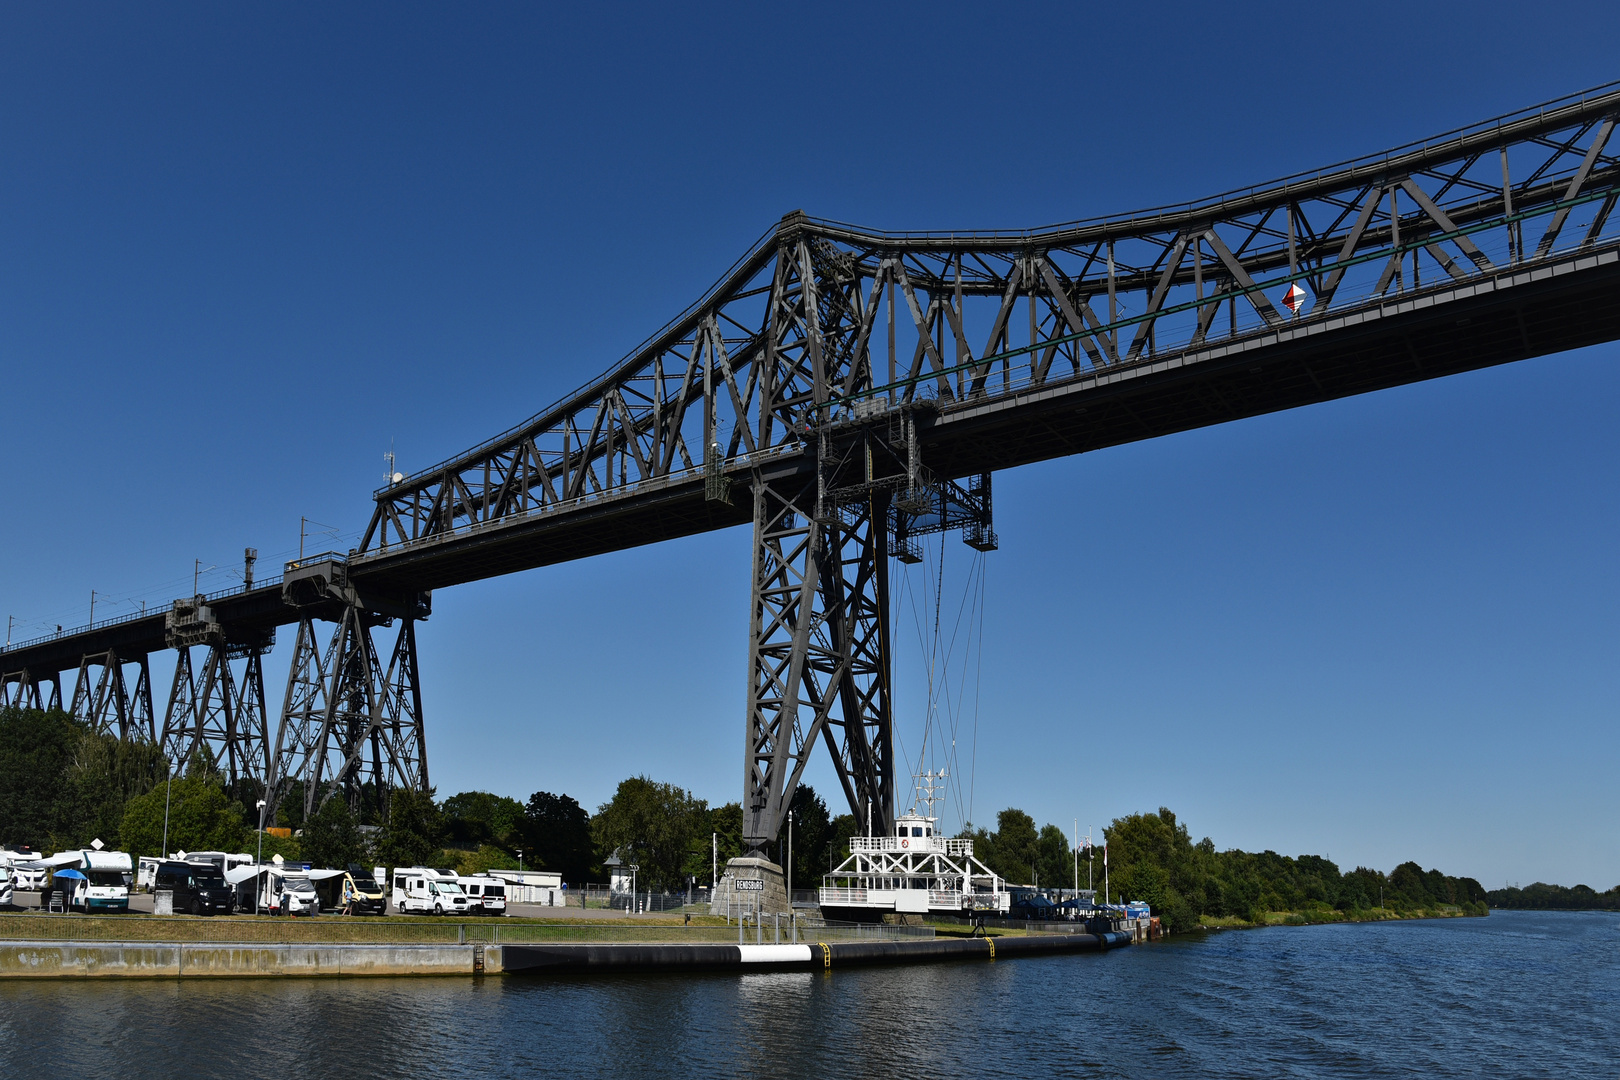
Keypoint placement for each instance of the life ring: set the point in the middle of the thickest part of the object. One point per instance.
(905, 843)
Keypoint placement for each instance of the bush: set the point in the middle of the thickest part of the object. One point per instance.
(486, 858)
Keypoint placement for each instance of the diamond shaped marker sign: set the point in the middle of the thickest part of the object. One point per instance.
(1294, 297)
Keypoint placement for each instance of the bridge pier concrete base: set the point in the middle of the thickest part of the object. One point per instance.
(769, 897)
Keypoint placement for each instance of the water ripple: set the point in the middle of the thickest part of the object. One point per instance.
(1520, 994)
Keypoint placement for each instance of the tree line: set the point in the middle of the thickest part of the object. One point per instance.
(62, 785)
(1153, 858)
(1543, 897)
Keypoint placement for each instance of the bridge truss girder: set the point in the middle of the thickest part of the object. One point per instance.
(821, 325)
(819, 317)
(25, 690)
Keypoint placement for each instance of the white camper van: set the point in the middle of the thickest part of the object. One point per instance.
(425, 891)
(485, 895)
(26, 870)
(92, 880)
(278, 888)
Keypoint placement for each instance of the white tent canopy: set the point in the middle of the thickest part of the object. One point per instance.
(239, 874)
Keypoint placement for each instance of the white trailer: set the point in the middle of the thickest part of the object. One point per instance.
(533, 887)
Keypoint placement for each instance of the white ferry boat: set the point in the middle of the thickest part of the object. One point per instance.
(913, 872)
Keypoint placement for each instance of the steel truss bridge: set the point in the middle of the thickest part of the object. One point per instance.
(845, 392)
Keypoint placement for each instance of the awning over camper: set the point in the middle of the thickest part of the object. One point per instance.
(238, 874)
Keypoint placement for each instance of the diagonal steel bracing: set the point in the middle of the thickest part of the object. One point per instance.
(218, 710)
(349, 723)
(103, 698)
(819, 317)
(818, 657)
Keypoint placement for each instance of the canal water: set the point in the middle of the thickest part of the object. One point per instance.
(1518, 994)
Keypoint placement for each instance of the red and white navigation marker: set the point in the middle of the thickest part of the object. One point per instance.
(1294, 298)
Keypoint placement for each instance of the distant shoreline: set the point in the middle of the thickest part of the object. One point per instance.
(1322, 918)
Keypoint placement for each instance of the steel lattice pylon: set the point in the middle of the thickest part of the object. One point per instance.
(348, 722)
(818, 658)
(104, 701)
(221, 711)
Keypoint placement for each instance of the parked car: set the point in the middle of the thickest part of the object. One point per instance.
(199, 888)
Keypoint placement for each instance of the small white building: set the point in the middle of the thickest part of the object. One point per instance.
(621, 875)
(532, 887)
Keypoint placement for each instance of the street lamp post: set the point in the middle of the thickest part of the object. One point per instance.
(167, 789)
(260, 860)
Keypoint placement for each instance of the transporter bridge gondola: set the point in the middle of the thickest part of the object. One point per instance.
(913, 871)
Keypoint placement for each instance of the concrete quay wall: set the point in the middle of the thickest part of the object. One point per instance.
(77, 959)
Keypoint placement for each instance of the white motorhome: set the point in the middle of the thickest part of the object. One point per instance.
(92, 880)
(6, 898)
(146, 872)
(485, 894)
(278, 889)
(425, 891)
(26, 870)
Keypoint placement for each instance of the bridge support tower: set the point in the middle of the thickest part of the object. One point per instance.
(351, 721)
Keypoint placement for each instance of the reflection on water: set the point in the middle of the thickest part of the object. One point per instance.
(1519, 994)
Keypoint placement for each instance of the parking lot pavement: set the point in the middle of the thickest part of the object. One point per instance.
(540, 911)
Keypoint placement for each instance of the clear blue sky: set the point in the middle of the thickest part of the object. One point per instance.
(244, 249)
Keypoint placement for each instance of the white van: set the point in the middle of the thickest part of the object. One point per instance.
(485, 894)
(424, 890)
(5, 885)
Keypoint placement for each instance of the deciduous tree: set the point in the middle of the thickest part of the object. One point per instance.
(556, 835)
(201, 817)
(651, 824)
(331, 838)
